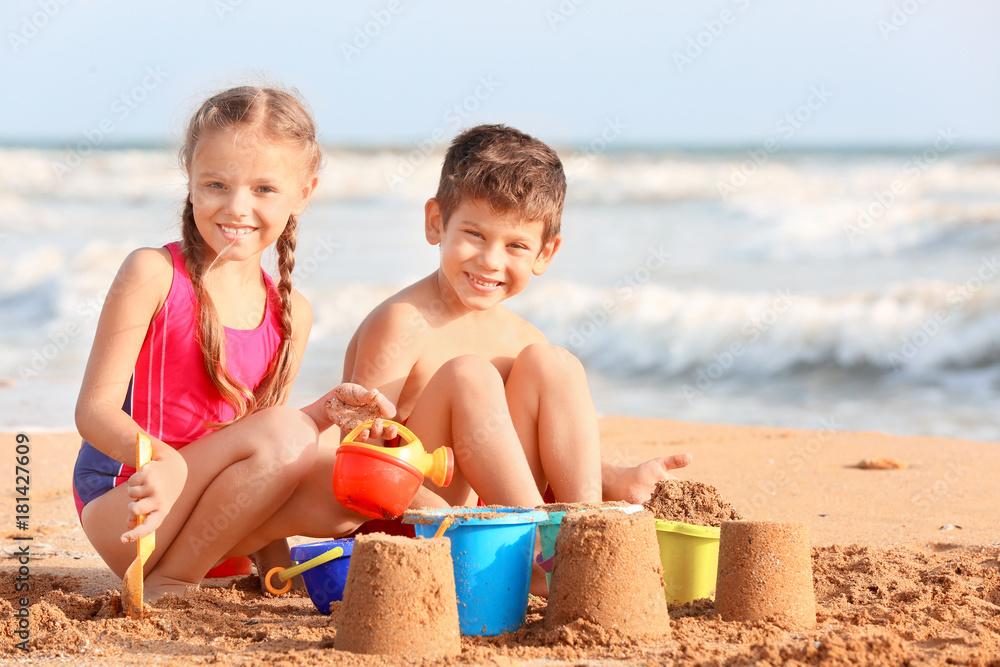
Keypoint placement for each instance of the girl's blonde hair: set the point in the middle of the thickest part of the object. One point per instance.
(261, 114)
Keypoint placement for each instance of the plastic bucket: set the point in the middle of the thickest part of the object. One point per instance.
(324, 583)
(492, 558)
(548, 530)
(690, 558)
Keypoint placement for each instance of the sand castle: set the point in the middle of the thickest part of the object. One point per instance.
(765, 570)
(607, 572)
(399, 598)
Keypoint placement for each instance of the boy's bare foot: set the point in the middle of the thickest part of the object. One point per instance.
(275, 554)
(155, 586)
(635, 484)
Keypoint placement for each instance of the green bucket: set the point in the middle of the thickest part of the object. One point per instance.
(690, 558)
(549, 530)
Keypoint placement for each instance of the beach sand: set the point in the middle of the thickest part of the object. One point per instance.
(905, 565)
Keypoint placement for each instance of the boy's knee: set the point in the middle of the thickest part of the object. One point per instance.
(469, 369)
(545, 358)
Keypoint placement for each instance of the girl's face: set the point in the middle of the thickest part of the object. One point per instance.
(243, 191)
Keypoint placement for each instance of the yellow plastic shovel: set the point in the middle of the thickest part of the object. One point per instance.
(132, 583)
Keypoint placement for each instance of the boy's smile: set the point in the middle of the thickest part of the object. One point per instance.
(486, 257)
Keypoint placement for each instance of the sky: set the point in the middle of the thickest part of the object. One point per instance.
(850, 73)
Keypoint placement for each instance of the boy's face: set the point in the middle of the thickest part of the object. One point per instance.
(486, 257)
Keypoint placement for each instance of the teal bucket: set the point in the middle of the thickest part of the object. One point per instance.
(548, 530)
(492, 558)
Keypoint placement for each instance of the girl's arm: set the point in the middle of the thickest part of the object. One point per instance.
(136, 295)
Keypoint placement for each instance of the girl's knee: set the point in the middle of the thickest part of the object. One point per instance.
(286, 437)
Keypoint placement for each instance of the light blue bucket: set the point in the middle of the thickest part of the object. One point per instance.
(492, 558)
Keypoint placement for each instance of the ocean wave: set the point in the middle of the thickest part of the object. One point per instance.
(918, 328)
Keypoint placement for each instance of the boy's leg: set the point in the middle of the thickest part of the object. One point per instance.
(464, 405)
(555, 418)
(556, 422)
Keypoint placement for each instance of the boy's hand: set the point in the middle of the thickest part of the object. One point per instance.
(351, 405)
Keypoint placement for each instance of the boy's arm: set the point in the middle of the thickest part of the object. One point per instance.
(385, 348)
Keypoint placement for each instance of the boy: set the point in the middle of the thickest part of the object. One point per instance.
(463, 370)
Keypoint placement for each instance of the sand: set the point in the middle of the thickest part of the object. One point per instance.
(891, 586)
(690, 502)
(607, 573)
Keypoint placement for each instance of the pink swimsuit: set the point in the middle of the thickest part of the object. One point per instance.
(171, 396)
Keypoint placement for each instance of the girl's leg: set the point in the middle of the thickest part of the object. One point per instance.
(236, 478)
(556, 422)
(464, 405)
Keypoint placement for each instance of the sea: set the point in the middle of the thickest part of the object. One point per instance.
(854, 290)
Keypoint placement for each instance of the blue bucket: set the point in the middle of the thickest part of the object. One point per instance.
(324, 583)
(492, 558)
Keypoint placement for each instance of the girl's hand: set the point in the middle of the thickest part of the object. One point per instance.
(351, 405)
(154, 490)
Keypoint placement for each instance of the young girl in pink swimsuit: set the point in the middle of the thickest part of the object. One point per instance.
(197, 347)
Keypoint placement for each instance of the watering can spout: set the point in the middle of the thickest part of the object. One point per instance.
(438, 465)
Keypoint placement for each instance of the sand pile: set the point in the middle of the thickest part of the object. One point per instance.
(690, 502)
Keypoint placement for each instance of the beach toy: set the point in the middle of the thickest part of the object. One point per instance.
(765, 569)
(607, 573)
(286, 574)
(399, 599)
(323, 566)
(548, 530)
(132, 583)
(379, 482)
(690, 558)
(231, 567)
(491, 549)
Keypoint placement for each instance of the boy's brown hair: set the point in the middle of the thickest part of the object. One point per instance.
(510, 170)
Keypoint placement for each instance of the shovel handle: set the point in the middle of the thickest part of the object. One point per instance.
(286, 574)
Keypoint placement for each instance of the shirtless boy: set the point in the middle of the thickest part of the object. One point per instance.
(463, 370)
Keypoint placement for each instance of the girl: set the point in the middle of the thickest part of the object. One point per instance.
(197, 348)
